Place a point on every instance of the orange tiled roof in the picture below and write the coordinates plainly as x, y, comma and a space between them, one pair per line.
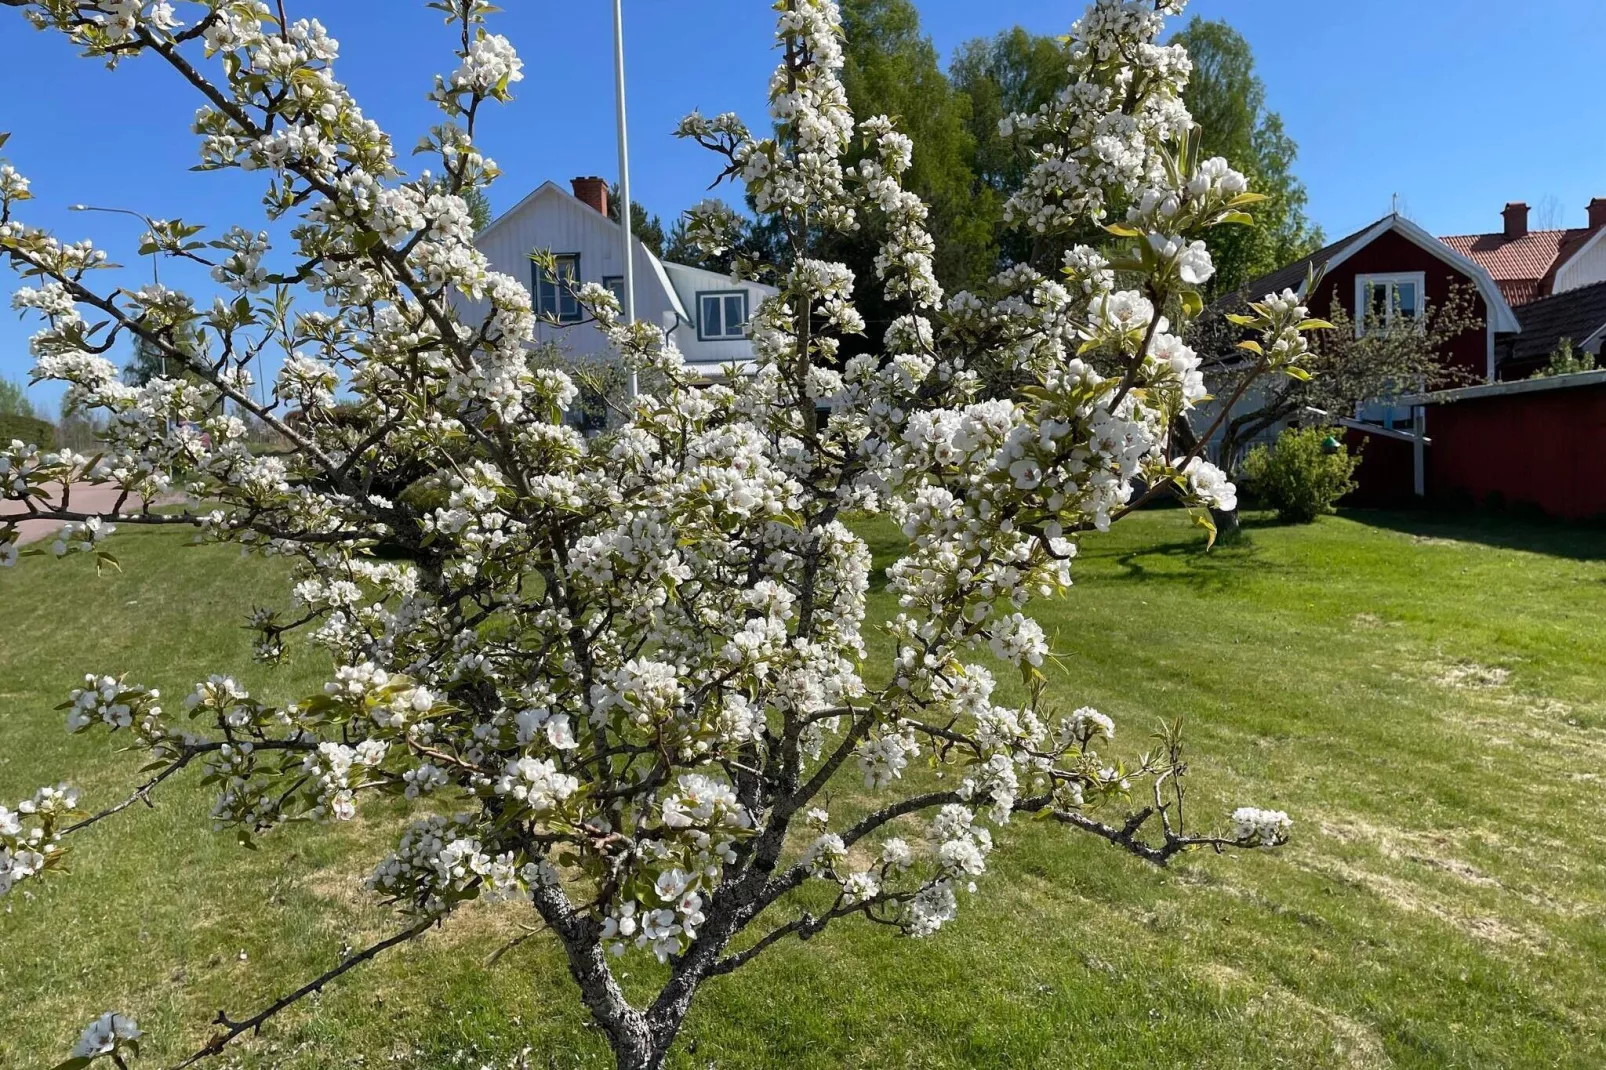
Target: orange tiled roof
1522, 267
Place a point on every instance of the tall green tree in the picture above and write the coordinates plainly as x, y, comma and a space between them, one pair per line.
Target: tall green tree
14, 399
893, 69
1014, 72
148, 363
644, 226
1228, 102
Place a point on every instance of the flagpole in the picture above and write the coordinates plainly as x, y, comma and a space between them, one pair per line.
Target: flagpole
624, 172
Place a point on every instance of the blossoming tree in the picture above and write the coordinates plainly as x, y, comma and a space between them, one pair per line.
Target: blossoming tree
615, 677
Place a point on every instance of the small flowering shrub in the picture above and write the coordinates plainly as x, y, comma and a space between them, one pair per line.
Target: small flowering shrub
617, 676
1298, 476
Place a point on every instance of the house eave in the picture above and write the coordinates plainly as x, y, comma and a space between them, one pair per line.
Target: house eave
1495, 390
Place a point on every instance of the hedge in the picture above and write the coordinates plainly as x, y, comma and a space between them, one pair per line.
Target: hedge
34, 432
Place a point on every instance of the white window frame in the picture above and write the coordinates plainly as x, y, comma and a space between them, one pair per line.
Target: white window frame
561, 289
1418, 279
727, 332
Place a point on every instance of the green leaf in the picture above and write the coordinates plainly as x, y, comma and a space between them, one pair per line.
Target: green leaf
1192, 303
1202, 520
1240, 218
1121, 230
1252, 345
1240, 319
1294, 371
1314, 325
74, 1063
1246, 198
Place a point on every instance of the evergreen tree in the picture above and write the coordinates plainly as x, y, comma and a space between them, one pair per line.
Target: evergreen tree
647, 228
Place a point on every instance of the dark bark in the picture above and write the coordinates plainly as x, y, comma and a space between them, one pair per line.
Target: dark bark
1226, 521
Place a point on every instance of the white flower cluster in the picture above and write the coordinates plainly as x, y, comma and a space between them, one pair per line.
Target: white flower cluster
1260, 828
81, 536
107, 1035
30, 835
439, 863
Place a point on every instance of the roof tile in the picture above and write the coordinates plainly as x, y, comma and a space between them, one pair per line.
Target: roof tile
1525, 267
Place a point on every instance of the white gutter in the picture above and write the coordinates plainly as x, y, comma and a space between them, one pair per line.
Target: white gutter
1496, 390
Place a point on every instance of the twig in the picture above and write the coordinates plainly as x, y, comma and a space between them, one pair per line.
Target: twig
254, 1023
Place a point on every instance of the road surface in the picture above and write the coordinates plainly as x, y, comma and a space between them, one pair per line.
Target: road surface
85, 498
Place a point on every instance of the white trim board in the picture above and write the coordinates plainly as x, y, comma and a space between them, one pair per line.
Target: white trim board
1495, 390
1501, 318
1561, 268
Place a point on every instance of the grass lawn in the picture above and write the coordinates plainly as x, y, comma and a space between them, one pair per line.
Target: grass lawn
1426, 698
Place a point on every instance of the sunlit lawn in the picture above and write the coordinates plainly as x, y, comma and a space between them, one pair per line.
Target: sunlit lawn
1428, 700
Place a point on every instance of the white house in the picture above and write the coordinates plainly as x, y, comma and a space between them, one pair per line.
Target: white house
705, 312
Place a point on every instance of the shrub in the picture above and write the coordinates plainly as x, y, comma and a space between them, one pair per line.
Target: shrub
1302, 476
29, 429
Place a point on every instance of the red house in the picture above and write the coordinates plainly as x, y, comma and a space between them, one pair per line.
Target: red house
1396, 268
1507, 438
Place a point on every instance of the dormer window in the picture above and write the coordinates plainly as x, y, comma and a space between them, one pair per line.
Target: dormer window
722, 315
1381, 300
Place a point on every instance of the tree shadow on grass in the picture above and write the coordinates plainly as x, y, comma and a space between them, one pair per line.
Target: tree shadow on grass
1187, 562
1585, 541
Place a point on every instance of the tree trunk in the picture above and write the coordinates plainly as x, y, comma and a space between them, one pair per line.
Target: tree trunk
1228, 527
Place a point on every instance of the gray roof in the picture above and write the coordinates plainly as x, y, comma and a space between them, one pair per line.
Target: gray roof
1289, 277
1576, 314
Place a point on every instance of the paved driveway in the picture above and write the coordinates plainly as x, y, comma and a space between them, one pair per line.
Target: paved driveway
85, 498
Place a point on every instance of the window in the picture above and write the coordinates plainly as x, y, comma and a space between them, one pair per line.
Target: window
1381, 299
616, 283
722, 315
555, 297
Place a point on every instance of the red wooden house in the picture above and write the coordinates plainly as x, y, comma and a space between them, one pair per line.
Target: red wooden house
1493, 436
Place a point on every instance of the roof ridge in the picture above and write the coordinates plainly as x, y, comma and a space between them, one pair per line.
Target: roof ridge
1525, 234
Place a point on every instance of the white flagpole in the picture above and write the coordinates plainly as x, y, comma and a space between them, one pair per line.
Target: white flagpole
624, 172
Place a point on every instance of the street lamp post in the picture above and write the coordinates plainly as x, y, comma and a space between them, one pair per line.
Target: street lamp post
149, 225
156, 276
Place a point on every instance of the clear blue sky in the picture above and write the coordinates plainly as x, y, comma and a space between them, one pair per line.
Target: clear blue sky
1456, 105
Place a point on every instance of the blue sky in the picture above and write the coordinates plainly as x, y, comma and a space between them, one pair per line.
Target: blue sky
1455, 105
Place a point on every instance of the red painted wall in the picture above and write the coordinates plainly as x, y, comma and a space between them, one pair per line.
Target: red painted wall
1386, 476
1544, 449
1393, 253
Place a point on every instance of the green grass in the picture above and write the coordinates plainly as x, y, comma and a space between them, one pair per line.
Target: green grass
1425, 698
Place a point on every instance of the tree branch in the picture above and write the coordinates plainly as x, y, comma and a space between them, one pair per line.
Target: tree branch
234, 1029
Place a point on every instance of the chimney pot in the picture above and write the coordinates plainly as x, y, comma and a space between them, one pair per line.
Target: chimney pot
1597, 213
1516, 217
592, 191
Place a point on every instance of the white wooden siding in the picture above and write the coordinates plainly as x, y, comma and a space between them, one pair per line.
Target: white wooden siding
688, 283
1588, 266
552, 219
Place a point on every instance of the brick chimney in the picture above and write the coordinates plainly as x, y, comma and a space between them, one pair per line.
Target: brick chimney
593, 191
1597, 213
1516, 216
